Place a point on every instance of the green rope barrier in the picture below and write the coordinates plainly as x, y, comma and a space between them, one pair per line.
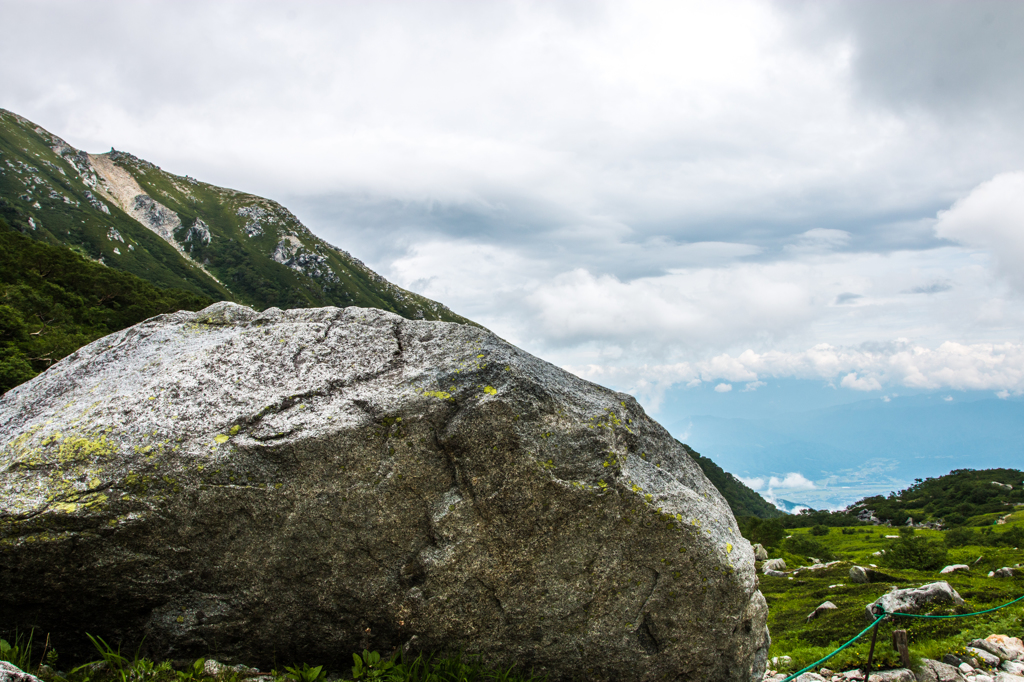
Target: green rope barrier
861, 634
882, 614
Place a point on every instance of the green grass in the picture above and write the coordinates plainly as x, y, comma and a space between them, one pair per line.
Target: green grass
53, 301
114, 666
791, 600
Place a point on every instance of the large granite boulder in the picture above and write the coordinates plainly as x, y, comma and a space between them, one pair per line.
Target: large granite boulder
295, 485
914, 600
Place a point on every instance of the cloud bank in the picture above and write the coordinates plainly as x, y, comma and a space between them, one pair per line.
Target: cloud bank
649, 193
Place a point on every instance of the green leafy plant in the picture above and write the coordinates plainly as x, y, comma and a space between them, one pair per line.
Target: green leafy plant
819, 530
958, 537
369, 666
124, 668
194, 673
914, 552
767, 532
18, 654
306, 673
803, 545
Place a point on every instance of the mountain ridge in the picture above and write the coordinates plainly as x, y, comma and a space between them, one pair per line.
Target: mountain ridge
176, 231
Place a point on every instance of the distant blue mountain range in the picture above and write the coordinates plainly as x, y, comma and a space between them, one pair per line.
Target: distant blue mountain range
851, 449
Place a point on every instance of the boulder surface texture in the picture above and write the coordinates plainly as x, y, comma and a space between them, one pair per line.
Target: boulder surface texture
915, 599
12, 673
295, 485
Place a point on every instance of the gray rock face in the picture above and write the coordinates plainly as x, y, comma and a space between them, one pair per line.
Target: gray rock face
825, 606
1007, 677
953, 568
1013, 646
301, 484
858, 575
773, 565
810, 677
12, 673
987, 659
992, 648
936, 671
896, 675
760, 553
914, 600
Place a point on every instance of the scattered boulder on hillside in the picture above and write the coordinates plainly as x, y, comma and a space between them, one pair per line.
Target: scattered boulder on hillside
760, 553
986, 658
1006, 677
954, 568
896, 675
303, 484
937, 671
1012, 645
822, 608
12, 673
868, 516
912, 600
1004, 572
993, 648
1012, 667
817, 566
810, 677
953, 660
773, 565
1004, 486
859, 575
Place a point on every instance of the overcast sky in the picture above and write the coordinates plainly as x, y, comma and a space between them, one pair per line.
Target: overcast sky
650, 194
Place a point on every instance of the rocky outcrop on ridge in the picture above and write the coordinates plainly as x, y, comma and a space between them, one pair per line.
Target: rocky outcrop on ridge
295, 485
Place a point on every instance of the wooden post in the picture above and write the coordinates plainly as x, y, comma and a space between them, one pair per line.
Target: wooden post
900, 643
871, 651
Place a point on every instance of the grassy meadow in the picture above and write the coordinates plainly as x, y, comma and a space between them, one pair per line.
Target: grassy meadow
792, 598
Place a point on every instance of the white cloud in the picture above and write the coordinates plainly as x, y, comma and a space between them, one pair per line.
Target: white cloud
791, 481
649, 193
991, 217
753, 386
819, 239
981, 367
723, 388
851, 380
755, 483
772, 487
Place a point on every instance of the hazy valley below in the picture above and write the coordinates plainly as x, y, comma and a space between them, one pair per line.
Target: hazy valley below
832, 456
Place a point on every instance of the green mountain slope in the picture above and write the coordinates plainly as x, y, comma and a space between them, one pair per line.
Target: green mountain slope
175, 231
742, 500
963, 496
53, 301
